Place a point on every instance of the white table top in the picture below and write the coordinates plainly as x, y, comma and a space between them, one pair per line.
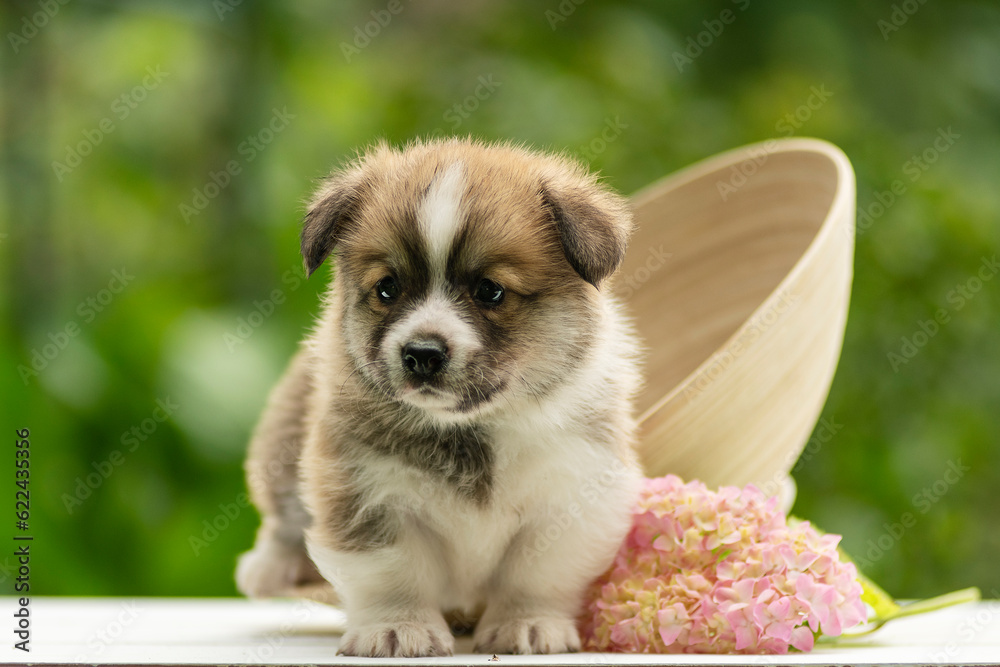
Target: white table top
185, 631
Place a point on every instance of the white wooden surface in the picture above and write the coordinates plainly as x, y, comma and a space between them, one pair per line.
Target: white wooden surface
235, 631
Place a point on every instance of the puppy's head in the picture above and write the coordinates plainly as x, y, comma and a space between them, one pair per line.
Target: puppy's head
470, 275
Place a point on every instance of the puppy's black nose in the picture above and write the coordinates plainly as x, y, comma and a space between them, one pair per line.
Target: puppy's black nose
424, 358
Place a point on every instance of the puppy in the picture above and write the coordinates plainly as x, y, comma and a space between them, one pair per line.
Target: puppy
455, 435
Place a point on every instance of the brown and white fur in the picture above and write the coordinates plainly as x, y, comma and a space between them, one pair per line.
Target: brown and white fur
435, 449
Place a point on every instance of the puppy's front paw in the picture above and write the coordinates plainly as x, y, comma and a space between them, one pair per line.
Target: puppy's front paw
529, 635
397, 640
270, 569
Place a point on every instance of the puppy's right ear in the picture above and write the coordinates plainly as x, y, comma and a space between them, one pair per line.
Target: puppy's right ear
332, 208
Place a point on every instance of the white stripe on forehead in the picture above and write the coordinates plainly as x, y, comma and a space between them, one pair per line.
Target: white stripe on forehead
441, 213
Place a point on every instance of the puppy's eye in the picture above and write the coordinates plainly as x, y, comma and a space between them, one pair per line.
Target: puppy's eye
488, 293
387, 289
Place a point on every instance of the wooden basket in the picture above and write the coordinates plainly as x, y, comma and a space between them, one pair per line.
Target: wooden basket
739, 277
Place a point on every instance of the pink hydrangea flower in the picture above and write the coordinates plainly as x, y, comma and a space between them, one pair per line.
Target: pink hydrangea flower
719, 572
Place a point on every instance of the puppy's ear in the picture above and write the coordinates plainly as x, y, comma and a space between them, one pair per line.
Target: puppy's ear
594, 224
332, 208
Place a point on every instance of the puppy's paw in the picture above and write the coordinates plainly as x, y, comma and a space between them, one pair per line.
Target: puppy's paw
270, 569
397, 640
529, 635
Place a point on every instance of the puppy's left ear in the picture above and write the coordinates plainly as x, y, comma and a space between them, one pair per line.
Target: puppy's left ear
331, 210
594, 223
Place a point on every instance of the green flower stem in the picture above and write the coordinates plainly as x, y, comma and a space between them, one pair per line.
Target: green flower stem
887, 609
920, 607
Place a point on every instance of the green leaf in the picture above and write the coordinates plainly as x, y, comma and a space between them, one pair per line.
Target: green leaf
887, 609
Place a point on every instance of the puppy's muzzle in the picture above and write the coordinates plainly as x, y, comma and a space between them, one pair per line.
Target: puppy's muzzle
423, 358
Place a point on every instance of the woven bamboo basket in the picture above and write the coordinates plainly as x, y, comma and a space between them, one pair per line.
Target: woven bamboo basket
739, 278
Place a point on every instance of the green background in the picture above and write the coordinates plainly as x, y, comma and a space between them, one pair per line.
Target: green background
555, 76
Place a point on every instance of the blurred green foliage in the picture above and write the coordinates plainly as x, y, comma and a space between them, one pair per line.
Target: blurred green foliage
234, 108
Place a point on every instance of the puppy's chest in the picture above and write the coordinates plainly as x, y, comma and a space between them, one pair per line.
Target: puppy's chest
530, 474
530, 481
